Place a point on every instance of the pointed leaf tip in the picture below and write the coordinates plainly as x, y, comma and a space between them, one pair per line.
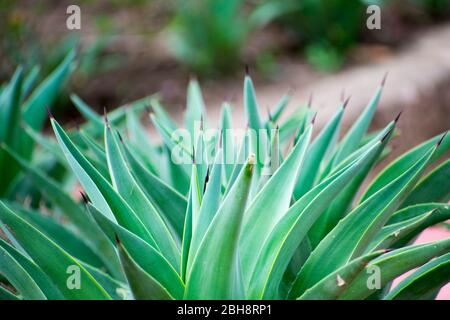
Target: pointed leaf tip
120, 136
105, 115
49, 112
314, 118
383, 81
206, 180
398, 116
441, 139
84, 197
116, 237
346, 102
310, 100
386, 135
269, 116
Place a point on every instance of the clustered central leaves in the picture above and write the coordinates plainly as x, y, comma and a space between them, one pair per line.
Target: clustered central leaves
151, 227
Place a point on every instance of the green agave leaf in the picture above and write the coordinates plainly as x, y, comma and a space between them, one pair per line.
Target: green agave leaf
289, 233
399, 234
229, 148
127, 187
168, 138
141, 140
173, 143
387, 132
395, 232
297, 122
40, 248
271, 163
417, 210
116, 289
209, 206
426, 190
53, 191
95, 154
195, 111
76, 214
355, 135
44, 95
143, 286
9, 125
169, 201
30, 81
270, 205
62, 236
19, 278
44, 283
46, 143
192, 214
299, 258
244, 151
10, 102
147, 257
353, 234
215, 272
317, 151
196, 196
7, 295
116, 117
341, 205
405, 161
332, 286
102, 194
423, 283
392, 265
187, 235
280, 107
88, 113
163, 117
250, 104
201, 161
179, 174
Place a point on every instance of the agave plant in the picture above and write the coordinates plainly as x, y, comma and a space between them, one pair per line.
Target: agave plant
201, 215
23, 114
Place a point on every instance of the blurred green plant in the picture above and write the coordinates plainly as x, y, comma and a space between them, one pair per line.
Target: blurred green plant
210, 228
21, 44
327, 29
208, 35
23, 104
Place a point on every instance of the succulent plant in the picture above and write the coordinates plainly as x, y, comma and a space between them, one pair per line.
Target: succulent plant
23, 113
277, 214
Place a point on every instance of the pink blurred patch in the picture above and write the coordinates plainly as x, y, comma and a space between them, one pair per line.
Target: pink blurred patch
432, 234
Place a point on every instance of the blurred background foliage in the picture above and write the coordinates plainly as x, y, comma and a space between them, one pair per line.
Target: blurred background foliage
210, 38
